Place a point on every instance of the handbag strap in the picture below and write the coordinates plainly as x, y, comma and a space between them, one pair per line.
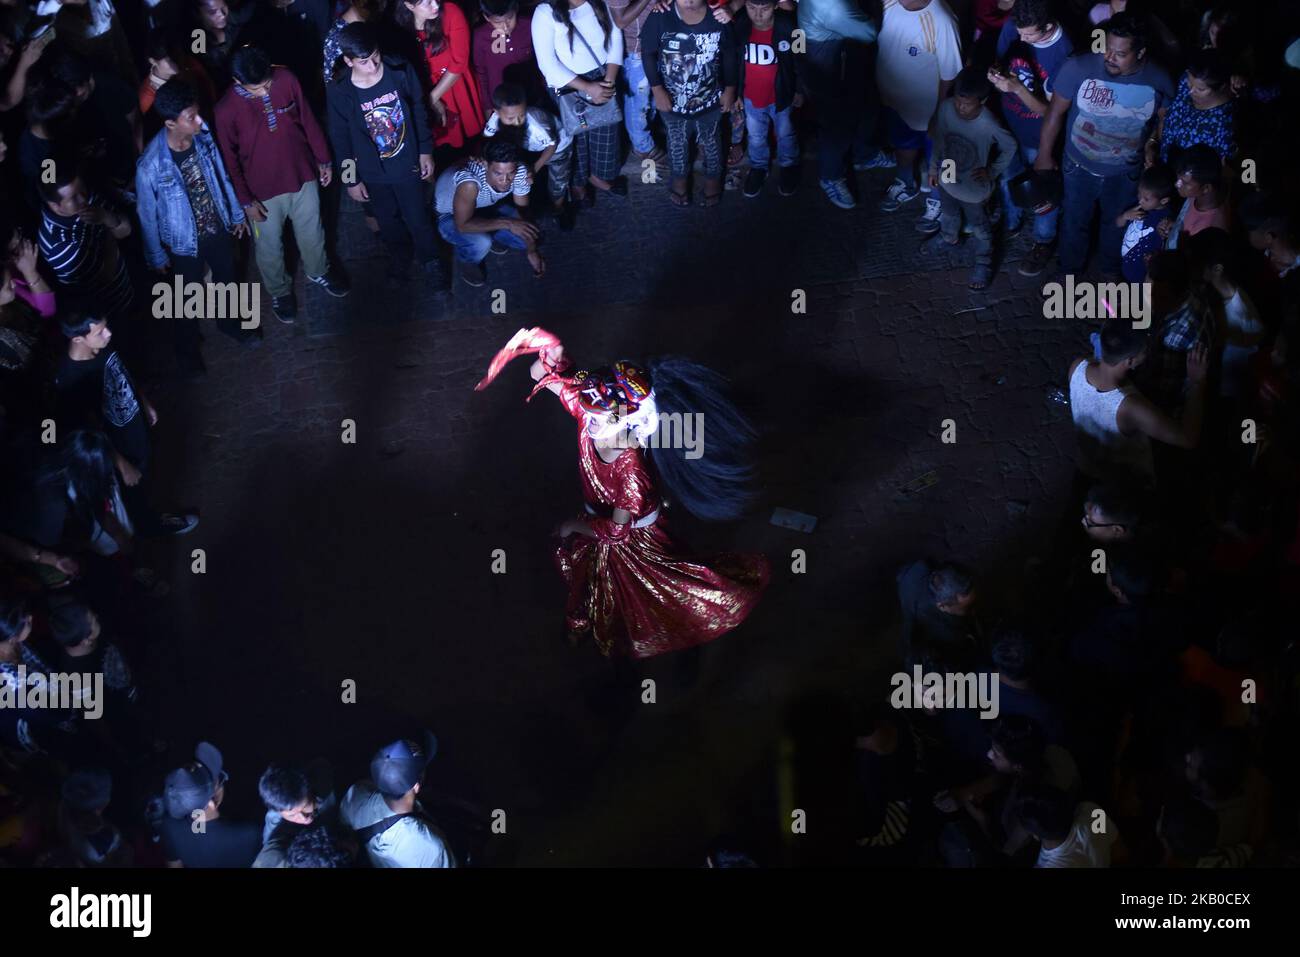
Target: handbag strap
603, 63
371, 831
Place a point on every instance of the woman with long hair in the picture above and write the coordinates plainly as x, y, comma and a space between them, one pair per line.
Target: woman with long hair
580, 52
444, 38
641, 442
366, 11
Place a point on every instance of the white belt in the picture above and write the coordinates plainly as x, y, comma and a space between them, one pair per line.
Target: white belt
642, 522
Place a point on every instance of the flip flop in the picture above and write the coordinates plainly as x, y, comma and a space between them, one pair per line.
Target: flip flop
680, 200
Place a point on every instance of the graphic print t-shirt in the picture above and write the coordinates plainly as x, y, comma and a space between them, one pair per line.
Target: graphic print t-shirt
206, 218
1141, 240
385, 118
1036, 67
1110, 116
760, 68
690, 62
102, 385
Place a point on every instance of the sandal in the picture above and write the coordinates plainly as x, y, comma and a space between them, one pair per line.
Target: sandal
736, 154
711, 197
980, 278
679, 197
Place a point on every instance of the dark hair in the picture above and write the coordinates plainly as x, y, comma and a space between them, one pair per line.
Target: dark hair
91, 471
949, 581
160, 45
1262, 210
1159, 180
173, 98
70, 623
560, 9
358, 40
1120, 341
435, 37
1169, 268
1021, 739
498, 8
1120, 503
250, 65
67, 168
62, 65
1128, 26
1225, 762
1202, 163
1046, 812
972, 82
51, 103
1210, 67
717, 485
321, 845
1212, 247
1034, 13
13, 614
1189, 827
77, 323
1133, 571
497, 150
1014, 654
509, 94
283, 787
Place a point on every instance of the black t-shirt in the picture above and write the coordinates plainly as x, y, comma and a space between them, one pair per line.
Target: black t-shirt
100, 390
104, 115
223, 843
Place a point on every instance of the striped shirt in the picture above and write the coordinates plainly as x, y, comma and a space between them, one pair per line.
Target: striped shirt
474, 170
85, 258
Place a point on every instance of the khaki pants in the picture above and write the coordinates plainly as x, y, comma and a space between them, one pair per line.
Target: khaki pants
303, 210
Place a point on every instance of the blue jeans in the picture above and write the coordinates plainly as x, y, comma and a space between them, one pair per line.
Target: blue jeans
758, 120
637, 104
840, 77
474, 247
1083, 193
1044, 225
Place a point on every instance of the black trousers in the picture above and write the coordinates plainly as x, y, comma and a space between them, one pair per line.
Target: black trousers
404, 220
217, 253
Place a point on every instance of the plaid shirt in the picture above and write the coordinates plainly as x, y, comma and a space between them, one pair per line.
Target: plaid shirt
1164, 374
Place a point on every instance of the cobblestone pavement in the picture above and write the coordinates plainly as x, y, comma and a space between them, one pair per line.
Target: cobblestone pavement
372, 562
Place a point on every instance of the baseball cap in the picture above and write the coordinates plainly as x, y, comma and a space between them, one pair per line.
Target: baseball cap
187, 789
398, 767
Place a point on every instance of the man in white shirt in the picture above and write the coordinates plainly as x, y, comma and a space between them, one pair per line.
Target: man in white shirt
385, 813
1069, 835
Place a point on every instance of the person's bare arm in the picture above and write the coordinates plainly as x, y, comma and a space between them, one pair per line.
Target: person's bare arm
1137, 414
1053, 123
626, 16
464, 207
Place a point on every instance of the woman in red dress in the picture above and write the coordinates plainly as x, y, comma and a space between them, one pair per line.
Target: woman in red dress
630, 587
444, 40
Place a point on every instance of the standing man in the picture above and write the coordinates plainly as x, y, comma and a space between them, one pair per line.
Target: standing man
638, 105
1031, 50
837, 36
380, 132
1107, 104
276, 154
189, 214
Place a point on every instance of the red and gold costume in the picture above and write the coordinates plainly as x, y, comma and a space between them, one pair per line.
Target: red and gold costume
629, 586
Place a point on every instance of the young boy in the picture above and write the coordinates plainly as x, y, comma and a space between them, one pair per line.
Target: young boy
502, 50
769, 90
971, 150
536, 133
1205, 201
1142, 236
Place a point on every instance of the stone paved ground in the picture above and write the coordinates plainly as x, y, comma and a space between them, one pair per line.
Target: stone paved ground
371, 561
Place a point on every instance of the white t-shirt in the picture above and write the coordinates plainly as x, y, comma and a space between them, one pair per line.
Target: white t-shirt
918, 48
411, 842
1084, 847
474, 170
560, 62
540, 130
1242, 316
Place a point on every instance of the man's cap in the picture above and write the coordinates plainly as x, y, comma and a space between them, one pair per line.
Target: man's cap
398, 767
188, 789
88, 790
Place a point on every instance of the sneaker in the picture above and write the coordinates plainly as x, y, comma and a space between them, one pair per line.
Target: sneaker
754, 181
933, 209
788, 180
178, 524
884, 159
1036, 261
927, 225
473, 274
332, 284
498, 249
898, 194
837, 191
285, 308
437, 275
733, 180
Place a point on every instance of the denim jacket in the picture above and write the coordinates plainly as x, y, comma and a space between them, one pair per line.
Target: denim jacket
166, 219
